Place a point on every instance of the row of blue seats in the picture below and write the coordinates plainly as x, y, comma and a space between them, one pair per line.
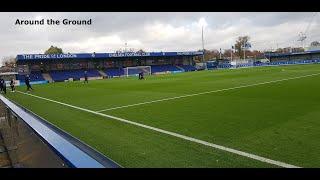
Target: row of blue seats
288, 62
188, 67
75, 74
163, 68
271, 63
295, 62
61, 75
34, 76
114, 72
154, 69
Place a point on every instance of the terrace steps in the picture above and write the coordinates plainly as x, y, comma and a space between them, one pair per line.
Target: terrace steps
103, 74
180, 68
47, 77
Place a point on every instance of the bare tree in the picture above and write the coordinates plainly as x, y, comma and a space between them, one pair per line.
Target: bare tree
315, 43
227, 53
9, 61
208, 55
53, 50
240, 43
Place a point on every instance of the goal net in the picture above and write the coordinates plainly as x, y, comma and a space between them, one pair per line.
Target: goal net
134, 71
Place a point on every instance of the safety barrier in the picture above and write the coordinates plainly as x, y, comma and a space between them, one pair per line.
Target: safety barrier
32, 142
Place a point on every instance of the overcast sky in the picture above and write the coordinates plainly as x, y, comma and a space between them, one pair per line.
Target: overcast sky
154, 31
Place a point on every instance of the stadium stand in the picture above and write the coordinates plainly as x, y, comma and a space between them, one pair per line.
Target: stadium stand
188, 67
225, 65
294, 62
93, 73
114, 64
244, 65
274, 63
62, 66
59, 75
163, 68
34, 76
114, 72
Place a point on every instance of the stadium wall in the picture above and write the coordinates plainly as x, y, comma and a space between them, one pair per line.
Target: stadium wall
281, 63
32, 82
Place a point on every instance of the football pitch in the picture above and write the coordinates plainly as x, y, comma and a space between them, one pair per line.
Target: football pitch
250, 117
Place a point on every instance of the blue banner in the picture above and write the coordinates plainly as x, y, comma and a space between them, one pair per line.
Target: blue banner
22, 57
33, 82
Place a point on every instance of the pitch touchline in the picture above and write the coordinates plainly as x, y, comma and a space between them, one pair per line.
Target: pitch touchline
207, 92
216, 146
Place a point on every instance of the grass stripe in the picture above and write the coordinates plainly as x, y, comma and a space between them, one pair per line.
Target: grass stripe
207, 92
216, 146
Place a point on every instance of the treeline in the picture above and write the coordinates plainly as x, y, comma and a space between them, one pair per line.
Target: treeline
226, 54
242, 49
296, 49
239, 50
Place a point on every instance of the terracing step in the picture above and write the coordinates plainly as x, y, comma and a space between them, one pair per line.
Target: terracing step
47, 77
103, 73
180, 68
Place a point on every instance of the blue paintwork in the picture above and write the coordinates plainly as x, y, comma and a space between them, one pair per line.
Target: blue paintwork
79, 56
212, 65
173, 72
34, 82
73, 156
291, 54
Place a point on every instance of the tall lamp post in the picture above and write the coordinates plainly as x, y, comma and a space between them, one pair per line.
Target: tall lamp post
231, 52
244, 51
203, 61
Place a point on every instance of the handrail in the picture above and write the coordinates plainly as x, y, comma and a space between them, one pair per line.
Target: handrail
74, 152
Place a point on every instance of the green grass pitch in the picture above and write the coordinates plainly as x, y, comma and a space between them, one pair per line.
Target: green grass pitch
279, 120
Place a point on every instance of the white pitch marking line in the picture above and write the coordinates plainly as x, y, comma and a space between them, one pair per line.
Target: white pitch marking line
216, 146
207, 92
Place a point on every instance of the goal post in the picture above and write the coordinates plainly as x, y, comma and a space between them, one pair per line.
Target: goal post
134, 71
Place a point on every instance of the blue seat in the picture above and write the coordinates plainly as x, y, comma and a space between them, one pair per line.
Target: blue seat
34, 76
163, 68
111, 72
188, 67
61, 75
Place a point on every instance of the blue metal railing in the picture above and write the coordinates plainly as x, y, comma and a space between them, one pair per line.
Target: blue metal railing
227, 66
72, 151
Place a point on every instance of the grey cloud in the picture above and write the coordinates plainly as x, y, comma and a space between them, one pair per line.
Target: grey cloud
221, 31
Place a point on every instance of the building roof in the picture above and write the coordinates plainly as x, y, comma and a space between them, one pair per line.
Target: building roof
79, 56
272, 54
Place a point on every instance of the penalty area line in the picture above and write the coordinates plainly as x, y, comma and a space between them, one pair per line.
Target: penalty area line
206, 92
188, 138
